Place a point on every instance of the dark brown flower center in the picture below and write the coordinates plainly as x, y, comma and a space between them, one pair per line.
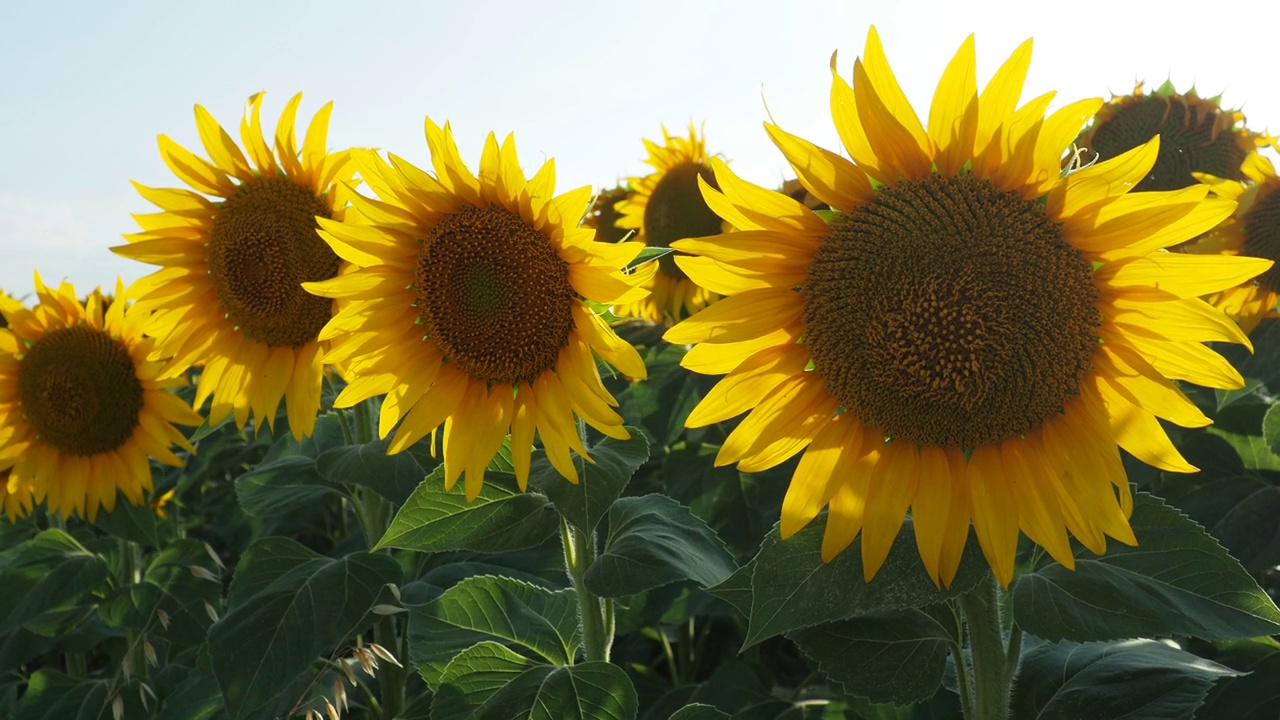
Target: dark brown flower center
262, 247
675, 211
603, 215
494, 295
1194, 137
80, 391
949, 313
1262, 233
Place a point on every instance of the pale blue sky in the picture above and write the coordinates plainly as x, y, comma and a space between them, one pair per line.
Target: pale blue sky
89, 85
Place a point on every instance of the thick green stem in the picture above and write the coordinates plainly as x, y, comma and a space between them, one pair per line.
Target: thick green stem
992, 669
135, 660
391, 678
594, 614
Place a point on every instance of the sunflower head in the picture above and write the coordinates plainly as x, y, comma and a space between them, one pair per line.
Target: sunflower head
233, 253
603, 215
1253, 230
972, 333
82, 406
666, 205
473, 303
1197, 135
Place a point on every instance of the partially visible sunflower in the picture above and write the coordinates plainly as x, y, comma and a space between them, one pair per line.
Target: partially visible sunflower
1253, 230
666, 206
81, 404
972, 334
229, 295
1197, 135
469, 306
603, 215
15, 497
794, 190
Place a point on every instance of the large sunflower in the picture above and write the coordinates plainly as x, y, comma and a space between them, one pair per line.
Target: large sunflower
973, 333
1253, 230
81, 404
466, 307
229, 295
1197, 135
666, 206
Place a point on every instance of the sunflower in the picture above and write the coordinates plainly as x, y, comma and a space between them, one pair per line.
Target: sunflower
1253, 230
228, 296
972, 334
666, 206
603, 214
81, 404
466, 307
1197, 135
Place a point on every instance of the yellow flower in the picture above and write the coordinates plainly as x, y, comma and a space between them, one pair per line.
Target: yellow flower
973, 333
1253, 230
1197, 135
603, 215
15, 497
466, 307
229, 294
666, 206
81, 405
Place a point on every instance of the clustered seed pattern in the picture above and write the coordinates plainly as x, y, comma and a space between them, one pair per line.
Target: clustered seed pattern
1193, 138
80, 391
675, 211
949, 313
494, 295
1262, 233
262, 247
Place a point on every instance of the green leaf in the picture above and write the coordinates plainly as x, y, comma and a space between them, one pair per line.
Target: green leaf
791, 588
281, 487
54, 696
47, 574
394, 477
650, 252
1135, 678
894, 658
698, 711
170, 585
287, 607
523, 616
136, 523
473, 676
197, 698
589, 691
1177, 581
1271, 428
1253, 696
599, 485
654, 540
501, 518
736, 589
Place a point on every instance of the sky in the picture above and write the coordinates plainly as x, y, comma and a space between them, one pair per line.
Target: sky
89, 85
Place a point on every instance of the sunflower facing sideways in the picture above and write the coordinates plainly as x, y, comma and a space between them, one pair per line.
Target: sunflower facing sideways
228, 296
666, 206
1197, 135
1253, 230
974, 332
466, 307
81, 404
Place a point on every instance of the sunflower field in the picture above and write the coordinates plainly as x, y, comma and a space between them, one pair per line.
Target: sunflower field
973, 418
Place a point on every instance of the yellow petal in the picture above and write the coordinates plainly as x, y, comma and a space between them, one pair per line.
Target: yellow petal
832, 179
893, 485
995, 514
953, 116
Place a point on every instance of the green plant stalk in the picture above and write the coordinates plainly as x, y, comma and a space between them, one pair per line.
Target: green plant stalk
135, 659
992, 665
594, 614
391, 678
77, 666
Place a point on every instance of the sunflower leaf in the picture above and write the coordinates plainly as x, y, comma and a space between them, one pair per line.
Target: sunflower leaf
278, 488
897, 658
1249, 696
654, 540
501, 518
394, 477
599, 484
1113, 680
792, 588
287, 607
45, 575
1177, 581
698, 711
537, 621
491, 683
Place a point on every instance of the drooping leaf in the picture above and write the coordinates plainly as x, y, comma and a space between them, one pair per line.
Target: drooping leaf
791, 588
894, 658
46, 574
500, 518
1100, 681
524, 617
1177, 581
599, 484
287, 607
654, 540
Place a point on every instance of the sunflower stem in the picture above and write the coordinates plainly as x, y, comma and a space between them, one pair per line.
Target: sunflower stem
992, 666
594, 614
130, 573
